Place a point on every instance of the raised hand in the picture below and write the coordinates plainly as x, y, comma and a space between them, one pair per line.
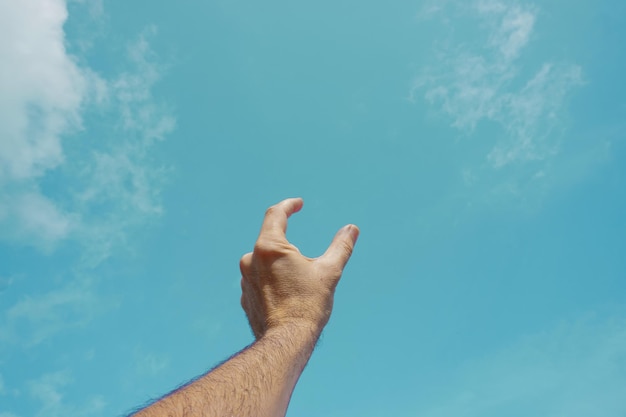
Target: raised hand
280, 286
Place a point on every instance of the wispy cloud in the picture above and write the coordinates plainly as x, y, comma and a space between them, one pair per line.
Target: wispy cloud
95, 7
122, 177
486, 81
48, 392
34, 318
5, 282
150, 363
29, 216
575, 369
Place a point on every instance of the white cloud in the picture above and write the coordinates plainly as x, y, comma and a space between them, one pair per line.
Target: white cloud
42, 88
29, 216
41, 93
514, 32
531, 116
133, 91
574, 370
478, 82
44, 93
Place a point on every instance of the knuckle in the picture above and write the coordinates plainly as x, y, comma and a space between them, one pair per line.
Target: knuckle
265, 247
245, 263
270, 210
248, 286
245, 302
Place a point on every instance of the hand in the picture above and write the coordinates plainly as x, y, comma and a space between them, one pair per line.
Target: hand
280, 286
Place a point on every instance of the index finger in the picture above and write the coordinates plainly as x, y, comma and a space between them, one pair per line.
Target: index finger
275, 221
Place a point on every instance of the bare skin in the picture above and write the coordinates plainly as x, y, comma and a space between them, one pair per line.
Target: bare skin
288, 299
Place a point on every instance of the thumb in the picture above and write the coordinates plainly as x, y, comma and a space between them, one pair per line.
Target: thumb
340, 249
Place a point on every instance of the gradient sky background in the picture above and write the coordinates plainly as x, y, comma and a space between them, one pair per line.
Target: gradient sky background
479, 145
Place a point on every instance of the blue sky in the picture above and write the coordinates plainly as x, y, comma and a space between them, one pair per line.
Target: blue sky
478, 145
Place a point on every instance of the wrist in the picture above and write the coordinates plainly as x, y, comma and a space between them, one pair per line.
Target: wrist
301, 313
296, 330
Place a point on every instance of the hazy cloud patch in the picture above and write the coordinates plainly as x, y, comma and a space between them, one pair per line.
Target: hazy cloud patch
574, 369
150, 363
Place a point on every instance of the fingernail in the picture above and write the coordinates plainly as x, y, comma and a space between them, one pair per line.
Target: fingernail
353, 231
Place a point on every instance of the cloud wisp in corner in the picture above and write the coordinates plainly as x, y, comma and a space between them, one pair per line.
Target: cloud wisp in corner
474, 82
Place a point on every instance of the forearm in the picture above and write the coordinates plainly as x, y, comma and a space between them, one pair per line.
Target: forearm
257, 382
288, 298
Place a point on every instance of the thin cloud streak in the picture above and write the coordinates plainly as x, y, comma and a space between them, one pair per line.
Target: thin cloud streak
48, 392
35, 318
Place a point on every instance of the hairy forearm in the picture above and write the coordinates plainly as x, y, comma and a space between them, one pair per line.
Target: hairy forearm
257, 382
288, 298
